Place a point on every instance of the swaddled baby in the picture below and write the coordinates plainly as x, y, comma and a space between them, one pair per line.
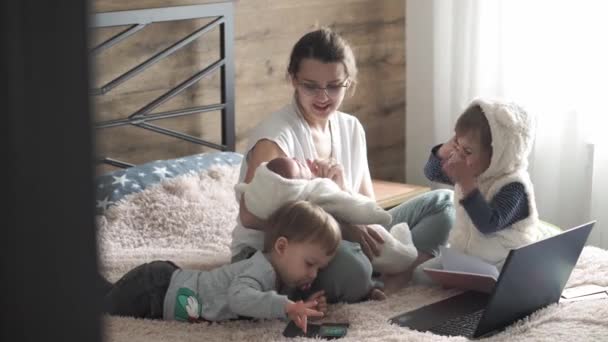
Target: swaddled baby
284, 179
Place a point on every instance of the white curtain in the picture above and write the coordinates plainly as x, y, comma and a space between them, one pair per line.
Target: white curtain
551, 57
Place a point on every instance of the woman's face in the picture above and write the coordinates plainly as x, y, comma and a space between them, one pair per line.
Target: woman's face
320, 87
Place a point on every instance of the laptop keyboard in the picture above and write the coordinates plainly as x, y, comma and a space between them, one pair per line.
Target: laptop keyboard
464, 325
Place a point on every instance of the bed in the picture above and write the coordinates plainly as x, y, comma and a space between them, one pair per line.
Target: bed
183, 209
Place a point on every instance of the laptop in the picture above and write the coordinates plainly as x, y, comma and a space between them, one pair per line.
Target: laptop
533, 276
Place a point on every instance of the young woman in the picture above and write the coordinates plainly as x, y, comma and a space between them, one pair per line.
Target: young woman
322, 70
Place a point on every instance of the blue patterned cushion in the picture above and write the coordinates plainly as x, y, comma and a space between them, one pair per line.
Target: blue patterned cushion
113, 186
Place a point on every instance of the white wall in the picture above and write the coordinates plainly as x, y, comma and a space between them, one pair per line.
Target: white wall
419, 87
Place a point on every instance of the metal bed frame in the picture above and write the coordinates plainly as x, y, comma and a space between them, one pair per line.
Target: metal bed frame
136, 20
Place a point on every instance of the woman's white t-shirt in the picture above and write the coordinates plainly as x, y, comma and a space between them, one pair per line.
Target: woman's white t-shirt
288, 129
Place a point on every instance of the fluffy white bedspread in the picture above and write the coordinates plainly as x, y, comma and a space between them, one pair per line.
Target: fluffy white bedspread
189, 220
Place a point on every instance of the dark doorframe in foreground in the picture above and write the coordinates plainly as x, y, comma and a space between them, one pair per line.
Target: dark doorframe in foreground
48, 261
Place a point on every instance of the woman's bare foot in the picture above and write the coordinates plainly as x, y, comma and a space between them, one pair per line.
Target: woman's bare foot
377, 294
397, 281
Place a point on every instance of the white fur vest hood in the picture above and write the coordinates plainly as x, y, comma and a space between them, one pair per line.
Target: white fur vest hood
512, 130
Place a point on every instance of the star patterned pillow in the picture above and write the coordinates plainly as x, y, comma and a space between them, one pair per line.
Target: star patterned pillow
113, 186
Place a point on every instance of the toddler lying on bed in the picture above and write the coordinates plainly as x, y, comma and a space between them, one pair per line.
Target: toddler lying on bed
284, 179
302, 239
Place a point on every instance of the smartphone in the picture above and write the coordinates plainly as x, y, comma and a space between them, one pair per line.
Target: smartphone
333, 330
328, 331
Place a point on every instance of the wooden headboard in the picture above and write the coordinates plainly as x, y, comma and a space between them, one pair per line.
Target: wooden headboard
117, 94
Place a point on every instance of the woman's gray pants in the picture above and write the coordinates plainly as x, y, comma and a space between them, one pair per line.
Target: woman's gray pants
348, 277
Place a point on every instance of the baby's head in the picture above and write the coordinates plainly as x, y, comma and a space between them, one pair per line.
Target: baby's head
474, 138
289, 168
302, 238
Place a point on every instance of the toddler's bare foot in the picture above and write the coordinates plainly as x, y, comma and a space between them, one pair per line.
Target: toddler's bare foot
377, 294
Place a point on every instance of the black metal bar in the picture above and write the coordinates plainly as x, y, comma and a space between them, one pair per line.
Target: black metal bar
227, 81
95, 91
181, 136
159, 116
117, 38
116, 163
154, 15
177, 89
158, 57
223, 12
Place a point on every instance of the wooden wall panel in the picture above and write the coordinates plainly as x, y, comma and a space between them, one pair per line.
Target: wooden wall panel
265, 31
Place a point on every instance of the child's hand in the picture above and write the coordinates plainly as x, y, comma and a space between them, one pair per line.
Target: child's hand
320, 300
299, 311
447, 149
328, 168
459, 172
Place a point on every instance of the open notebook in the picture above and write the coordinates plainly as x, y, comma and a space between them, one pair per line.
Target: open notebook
464, 272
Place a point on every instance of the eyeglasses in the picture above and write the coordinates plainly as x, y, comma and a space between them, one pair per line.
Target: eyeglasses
332, 90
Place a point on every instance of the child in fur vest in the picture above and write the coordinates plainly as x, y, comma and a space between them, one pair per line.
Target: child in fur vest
486, 161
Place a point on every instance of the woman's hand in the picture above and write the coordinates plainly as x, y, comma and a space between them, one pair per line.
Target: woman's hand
263, 151
319, 300
366, 236
299, 311
328, 168
248, 219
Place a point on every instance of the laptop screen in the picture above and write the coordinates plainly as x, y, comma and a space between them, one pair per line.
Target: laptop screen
533, 277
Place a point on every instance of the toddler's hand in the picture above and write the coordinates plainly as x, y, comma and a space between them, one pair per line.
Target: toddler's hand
299, 311
320, 300
447, 149
458, 170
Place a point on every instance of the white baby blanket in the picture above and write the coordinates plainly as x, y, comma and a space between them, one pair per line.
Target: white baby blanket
267, 191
